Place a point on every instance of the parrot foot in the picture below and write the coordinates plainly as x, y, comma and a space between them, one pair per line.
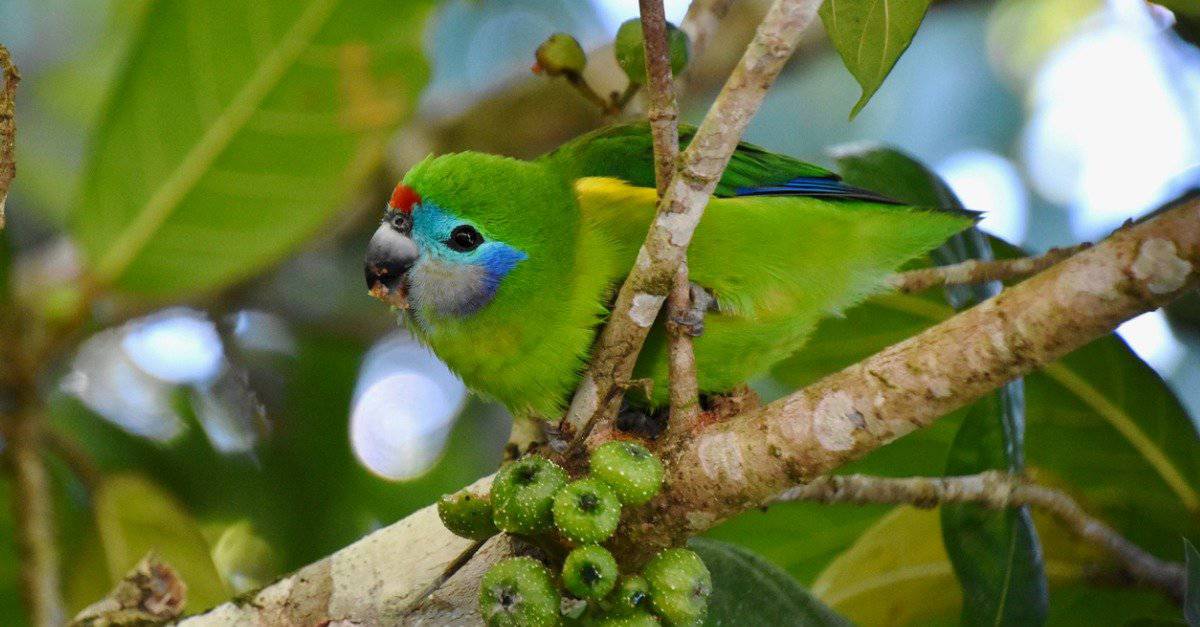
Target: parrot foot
691, 321
640, 421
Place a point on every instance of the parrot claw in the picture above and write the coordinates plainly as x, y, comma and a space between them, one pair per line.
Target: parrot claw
692, 320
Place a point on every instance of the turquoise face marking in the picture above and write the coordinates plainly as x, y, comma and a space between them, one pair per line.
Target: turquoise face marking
451, 282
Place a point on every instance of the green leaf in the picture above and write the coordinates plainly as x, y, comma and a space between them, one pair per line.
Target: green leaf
748, 590
996, 554
236, 130
870, 35
898, 573
1191, 601
135, 517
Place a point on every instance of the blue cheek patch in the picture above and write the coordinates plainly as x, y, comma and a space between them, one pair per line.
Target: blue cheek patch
497, 259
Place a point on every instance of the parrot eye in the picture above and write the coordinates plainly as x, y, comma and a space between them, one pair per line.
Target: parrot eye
464, 238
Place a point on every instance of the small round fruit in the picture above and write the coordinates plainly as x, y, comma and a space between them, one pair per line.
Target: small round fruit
639, 618
519, 591
586, 511
590, 572
560, 54
523, 495
633, 472
630, 50
467, 515
679, 586
631, 595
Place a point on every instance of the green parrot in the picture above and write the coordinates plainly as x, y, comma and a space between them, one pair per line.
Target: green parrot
507, 268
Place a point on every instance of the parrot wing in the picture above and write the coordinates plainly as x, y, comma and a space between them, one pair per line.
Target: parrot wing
776, 264
626, 152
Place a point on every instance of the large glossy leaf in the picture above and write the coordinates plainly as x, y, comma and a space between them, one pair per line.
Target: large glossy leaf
996, 554
235, 131
748, 590
898, 573
870, 35
135, 517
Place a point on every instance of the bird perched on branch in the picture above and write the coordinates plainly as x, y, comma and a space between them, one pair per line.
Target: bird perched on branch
507, 268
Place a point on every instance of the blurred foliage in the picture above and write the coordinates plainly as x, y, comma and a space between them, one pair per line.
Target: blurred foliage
1191, 606
221, 148
134, 517
304, 492
235, 130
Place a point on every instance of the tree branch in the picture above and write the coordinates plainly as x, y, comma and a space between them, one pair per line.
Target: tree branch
745, 461
976, 271
701, 165
995, 490
8, 127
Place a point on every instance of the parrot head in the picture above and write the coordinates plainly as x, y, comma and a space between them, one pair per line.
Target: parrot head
460, 229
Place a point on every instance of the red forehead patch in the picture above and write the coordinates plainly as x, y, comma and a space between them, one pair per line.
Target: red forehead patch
404, 197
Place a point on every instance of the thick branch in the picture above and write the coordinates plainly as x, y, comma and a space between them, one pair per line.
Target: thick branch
995, 490
975, 271
8, 126
745, 461
642, 295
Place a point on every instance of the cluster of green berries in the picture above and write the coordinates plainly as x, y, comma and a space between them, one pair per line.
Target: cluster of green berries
534, 497
561, 54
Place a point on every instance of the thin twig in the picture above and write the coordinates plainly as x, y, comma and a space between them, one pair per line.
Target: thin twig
681, 364
75, 457
995, 490
8, 127
662, 109
622, 99
34, 517
976, 271
701, 165
661, 106
583, 87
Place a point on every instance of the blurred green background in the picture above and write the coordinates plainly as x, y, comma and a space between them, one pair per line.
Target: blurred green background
239, 404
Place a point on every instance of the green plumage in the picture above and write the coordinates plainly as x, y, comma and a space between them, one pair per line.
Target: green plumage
776, 264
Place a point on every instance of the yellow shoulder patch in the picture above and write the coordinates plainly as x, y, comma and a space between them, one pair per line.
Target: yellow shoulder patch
601, 189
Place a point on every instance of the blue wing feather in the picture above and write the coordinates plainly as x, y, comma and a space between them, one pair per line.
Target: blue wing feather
817, 187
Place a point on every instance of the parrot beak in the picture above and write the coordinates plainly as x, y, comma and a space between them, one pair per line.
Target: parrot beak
389, 256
